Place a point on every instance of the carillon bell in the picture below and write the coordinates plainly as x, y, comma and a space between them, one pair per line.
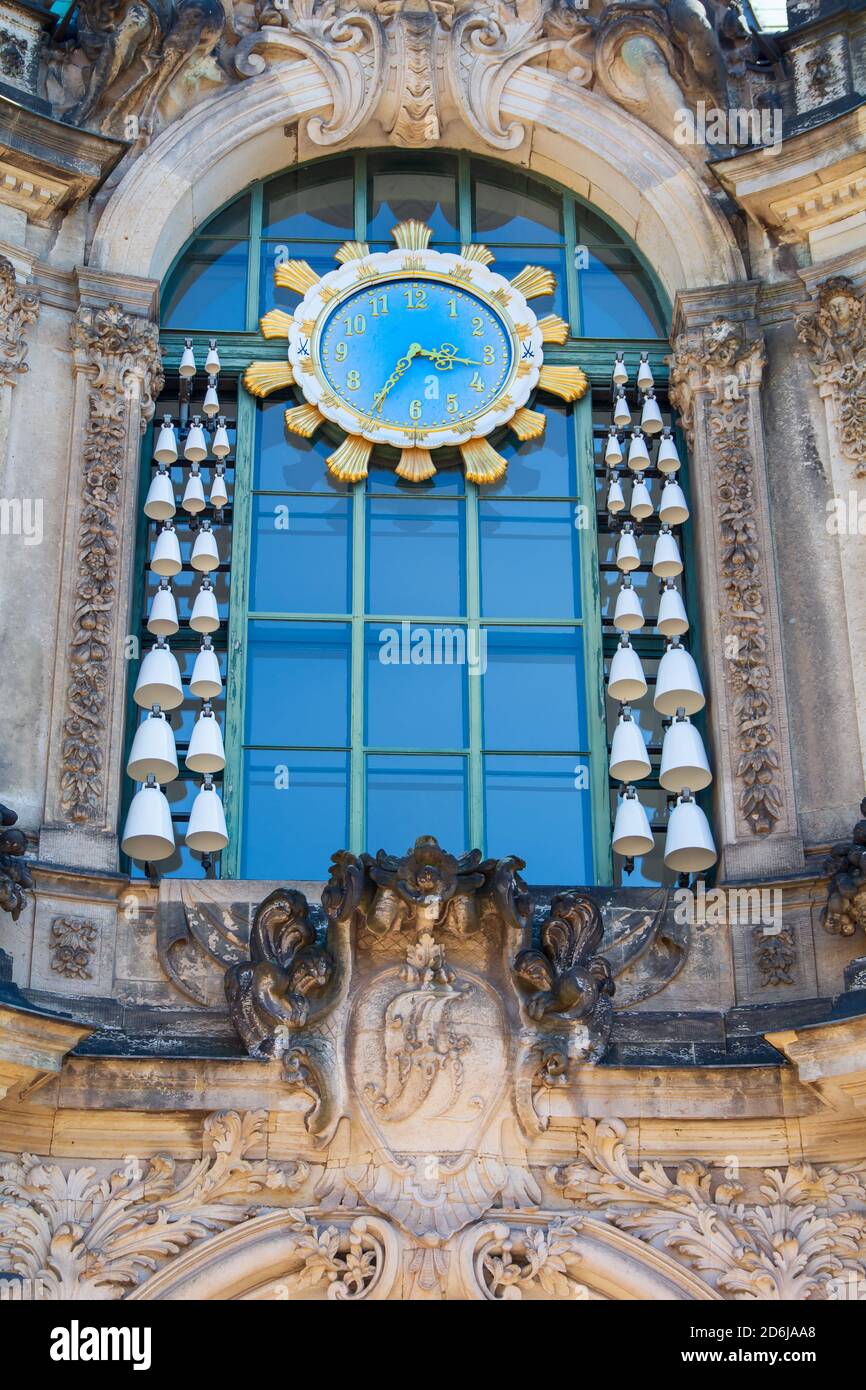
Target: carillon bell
638, 455
205, 613
158, 680
193, 497
162, 620
206, 752
626, 681
206, 682
211, 404
678, 684
684, 760
218, 495
212, 361
651, 417
160, 504
667, 561
166, 443
195, 448
612, 449
672, 507
187, 361
689, 846
621, 412
153, 753
641, 502
628, 756
672, 620
627, 554
631, 831
221, 446
615, 499
668, 460
645, 381
619, 374
166, 553
206, 832
628, 613
148, 833
205, 556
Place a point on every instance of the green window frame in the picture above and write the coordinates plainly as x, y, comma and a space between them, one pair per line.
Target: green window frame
594, 355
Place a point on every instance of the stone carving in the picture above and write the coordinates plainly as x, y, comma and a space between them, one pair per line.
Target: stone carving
121, 353
15, 877
566, 976
798, 1232
510, 1262
18, 308
835, 331
845, 909
123, 74
72, 943
720, 362
83, 1235
775, 954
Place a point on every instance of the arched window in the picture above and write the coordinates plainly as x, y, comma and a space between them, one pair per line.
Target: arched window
406, 658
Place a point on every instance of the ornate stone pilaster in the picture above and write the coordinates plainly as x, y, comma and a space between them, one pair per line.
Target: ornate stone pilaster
117, 366
716, 371
835, 331
19, 307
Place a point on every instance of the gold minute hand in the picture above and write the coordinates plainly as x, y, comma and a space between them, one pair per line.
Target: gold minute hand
403, 364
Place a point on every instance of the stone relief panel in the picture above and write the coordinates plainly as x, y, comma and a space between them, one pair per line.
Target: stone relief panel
834, 331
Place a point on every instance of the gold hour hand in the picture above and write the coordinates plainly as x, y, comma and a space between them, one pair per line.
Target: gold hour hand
445, 356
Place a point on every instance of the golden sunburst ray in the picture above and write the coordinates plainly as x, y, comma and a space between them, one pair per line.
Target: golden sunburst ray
481, 463
412, 235
416, 465
349, 462
296, 275
553, 329
275, 323
477, 252
261, 378
569, 383
352, 251
304, 420
534, 280
528, 424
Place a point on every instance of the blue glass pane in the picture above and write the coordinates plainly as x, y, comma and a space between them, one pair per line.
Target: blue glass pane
540, 808
544, 466
232, 221
512, 207
295, 813
396, 194
386, 480
284, 460
317, 201
530, 561
533, 689
298, 683
416, 685
616, 298
273, 253
511, 259
408, 797
207, 291
415, 557
301, 555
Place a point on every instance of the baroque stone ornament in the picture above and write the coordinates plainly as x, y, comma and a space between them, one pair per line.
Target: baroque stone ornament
775, 953
18, 309
72, 943
717, 368
15, 880
120, 353
796, 1235
835, 331
845, 908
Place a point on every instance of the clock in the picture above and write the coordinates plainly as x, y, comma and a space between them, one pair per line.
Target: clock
418, 349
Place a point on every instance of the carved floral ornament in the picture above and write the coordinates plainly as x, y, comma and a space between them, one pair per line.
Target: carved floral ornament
835, 332
716, 370
408, 65
150, 1230
19, 308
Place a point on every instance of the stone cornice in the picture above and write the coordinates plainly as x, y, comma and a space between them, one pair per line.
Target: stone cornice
830, 1060
33, 1042
47, 166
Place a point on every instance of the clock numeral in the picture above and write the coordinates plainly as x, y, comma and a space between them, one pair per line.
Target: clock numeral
341, 352
452, 405
353, 380
488, 355
415, 410
452, 306
356, 324
416, 297
477, 383
477, 327
378, 305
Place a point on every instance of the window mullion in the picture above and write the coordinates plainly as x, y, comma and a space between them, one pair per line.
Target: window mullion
357, 757
360, 197
236, 664
571, 276
254, 259
473, 674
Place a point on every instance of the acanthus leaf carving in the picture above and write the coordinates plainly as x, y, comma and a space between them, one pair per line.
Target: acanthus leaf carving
19, 307
835, 331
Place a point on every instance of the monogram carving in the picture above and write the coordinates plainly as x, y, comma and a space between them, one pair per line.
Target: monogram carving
120, 353
835, 331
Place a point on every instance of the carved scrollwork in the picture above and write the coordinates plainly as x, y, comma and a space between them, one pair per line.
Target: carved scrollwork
512, 1263
845, 908
835, 331
19, 308
15, 880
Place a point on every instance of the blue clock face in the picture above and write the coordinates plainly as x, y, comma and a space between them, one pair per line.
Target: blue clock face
415, 353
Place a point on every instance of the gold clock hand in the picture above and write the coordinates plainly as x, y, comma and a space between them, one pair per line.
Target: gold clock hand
403, 365
445, 356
